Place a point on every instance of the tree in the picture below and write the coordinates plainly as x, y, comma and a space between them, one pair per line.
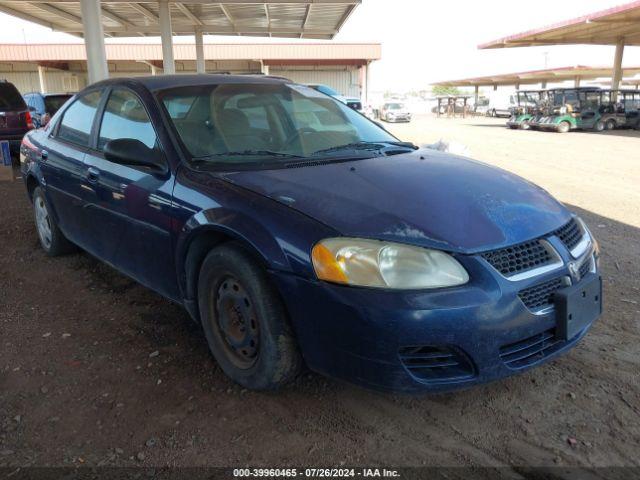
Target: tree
439, 90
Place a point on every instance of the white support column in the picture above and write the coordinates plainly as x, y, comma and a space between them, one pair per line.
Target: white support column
476, 94
94, 40
617, 67
166, 36
264, 68
576, 81
543, 85
200, 65
42, 72
364, 79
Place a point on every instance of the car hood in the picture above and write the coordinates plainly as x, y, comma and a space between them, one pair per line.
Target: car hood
424, 198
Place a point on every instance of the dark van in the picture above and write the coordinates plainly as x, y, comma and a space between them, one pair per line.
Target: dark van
15, 119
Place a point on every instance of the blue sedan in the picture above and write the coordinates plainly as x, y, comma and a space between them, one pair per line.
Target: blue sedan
298, 232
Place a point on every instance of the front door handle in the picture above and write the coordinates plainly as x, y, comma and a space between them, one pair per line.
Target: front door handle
44, 155
93, 174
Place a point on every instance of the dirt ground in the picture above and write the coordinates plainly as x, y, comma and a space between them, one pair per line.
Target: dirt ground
97, 370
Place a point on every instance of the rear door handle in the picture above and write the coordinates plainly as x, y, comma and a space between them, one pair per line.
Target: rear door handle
93, 174
44, 155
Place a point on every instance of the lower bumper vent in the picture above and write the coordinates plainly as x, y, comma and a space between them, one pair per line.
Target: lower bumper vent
436, 363
530, 350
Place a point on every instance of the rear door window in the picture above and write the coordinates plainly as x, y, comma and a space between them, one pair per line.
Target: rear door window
76, 124
10, 98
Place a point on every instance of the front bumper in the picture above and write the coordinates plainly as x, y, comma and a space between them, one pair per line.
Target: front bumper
373, 337
399, 118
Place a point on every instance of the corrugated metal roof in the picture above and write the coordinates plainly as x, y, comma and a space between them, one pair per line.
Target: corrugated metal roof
317, 19
605, 27
217, 51
538, 76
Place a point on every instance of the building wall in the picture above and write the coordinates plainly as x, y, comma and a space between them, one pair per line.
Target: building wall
344, 79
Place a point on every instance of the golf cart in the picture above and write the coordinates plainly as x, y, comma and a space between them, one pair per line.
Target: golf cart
570, 109
599, 110
528, 102
619, 111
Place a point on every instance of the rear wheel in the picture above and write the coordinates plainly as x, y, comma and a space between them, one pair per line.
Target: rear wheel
51, 238
245, 321
611, 124
525, 126
599, 126
564, 127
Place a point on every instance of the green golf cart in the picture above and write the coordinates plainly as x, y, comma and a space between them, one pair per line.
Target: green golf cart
571, 109
528, 103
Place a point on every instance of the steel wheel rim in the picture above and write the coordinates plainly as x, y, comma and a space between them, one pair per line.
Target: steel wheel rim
237, 323
43, 223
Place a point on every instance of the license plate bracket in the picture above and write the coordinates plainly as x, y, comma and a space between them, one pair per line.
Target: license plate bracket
577, 306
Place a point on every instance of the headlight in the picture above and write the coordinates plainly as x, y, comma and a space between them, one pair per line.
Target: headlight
371, 263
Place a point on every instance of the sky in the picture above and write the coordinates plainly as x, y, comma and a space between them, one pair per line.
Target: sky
424, 41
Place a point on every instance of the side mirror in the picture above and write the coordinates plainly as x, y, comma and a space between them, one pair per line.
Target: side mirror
129, 151
32, 109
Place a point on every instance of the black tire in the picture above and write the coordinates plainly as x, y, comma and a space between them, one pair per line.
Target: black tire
610, 125
564, 127
52, 240
245, 320
599, 126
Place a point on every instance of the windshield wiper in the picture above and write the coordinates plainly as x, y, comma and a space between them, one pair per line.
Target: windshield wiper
247, 153
370, 146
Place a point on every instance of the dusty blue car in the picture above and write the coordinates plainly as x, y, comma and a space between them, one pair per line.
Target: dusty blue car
298, 232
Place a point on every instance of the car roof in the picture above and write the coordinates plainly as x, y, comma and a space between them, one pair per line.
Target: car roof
161, 82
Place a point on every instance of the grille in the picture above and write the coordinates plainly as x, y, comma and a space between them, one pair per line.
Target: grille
436, 363
530, 350
518, 258
541, 295
570, 234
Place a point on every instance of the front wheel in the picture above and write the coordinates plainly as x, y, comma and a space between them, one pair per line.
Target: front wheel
245, 321
564, 127
52, 240
525, 126
611, 124
599, 126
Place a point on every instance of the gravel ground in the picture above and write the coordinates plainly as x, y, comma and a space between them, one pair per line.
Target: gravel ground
97, 370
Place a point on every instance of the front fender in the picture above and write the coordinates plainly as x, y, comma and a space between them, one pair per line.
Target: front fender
236, 225
279, 236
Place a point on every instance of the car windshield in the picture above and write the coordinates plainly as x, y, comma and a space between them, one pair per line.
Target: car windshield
52, 103
10, 98
395, 106
268, 123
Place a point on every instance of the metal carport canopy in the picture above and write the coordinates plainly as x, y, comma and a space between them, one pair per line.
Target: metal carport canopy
93, 19
320, 19
575, 73
617, 26
605, 27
